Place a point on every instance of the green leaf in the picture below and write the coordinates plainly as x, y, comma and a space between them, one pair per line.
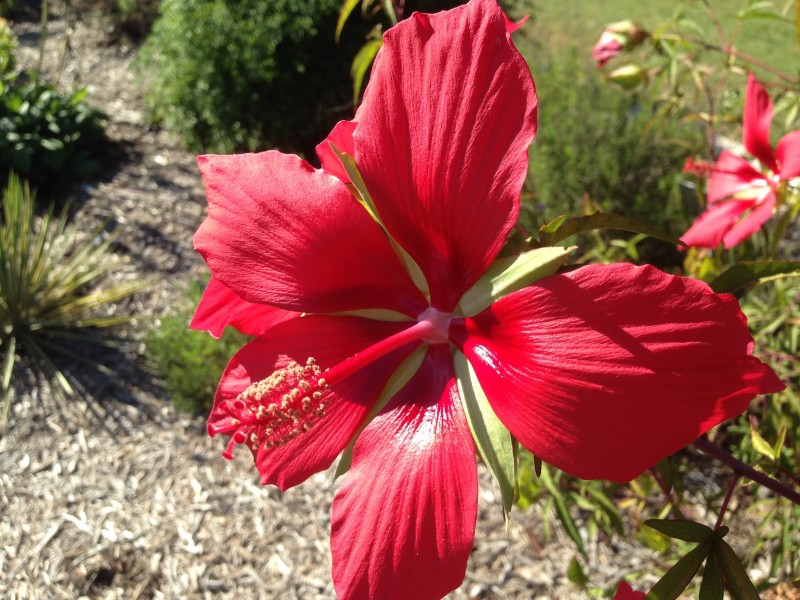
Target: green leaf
761, 10
600, 220
492, 438
576, 574
739, 583
344, 14
509, 274
681, 530
712, 587
562, 511
553, 225
666, 472
8, 368
749, 274
361, 63
674, 581
760, 445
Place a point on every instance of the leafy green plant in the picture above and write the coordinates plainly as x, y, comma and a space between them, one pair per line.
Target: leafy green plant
246, 75
49, 295
8, 44
592, 143
190, 361
49, 137
9, 8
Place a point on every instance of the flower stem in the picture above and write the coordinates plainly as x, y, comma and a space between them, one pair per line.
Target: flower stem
746, 470
728, 494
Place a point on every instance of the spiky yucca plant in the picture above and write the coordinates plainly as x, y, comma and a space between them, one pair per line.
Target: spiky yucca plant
47, 304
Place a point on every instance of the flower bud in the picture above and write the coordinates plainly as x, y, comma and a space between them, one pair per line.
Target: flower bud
619, 36
628, 76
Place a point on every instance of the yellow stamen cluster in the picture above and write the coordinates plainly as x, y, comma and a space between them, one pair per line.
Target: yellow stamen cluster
275, 410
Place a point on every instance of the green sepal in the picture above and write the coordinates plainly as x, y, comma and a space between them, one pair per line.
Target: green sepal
739, 583
364, 198
559, 229
674, 581
509, 274
377, 314
492, 438
688, 531
752, 273
397, 382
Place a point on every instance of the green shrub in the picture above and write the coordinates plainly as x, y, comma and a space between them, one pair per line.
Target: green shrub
9, 8
595, 139
49, 299
188, 361
245, 75
8, 44
49, 137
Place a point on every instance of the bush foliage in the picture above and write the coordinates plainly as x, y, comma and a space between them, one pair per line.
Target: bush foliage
246, 75
50, 138
596, 140
190, 361
47, 136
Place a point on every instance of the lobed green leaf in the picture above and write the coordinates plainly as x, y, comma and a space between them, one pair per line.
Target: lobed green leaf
752, 273
682, 530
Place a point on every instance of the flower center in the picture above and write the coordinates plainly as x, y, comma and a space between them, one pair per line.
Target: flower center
275, 410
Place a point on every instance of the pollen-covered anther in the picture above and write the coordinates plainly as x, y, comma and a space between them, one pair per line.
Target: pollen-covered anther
275, 410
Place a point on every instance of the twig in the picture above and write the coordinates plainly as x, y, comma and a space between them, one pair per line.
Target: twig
728, 494
746, 470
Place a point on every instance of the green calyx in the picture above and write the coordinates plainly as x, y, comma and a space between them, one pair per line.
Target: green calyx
510, 274
492, 439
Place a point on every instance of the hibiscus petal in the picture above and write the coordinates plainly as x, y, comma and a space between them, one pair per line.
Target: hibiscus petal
604, 371
329, 340
626, 592
789, 155
220, 307
402, 525
757, 121
752, 222
442, 141
731, 175
279, 232
342, 137
710, 228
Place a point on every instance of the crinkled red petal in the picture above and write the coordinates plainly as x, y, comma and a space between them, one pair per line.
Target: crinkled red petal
710, 228
442, 141
220, 307
604, 371
751, 222
626, 592
403, 523
789, 155
329, 340
281, 233
757, 122
734, 175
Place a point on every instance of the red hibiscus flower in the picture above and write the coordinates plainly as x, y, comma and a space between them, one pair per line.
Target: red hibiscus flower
740, 197
626, 592
406, 343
